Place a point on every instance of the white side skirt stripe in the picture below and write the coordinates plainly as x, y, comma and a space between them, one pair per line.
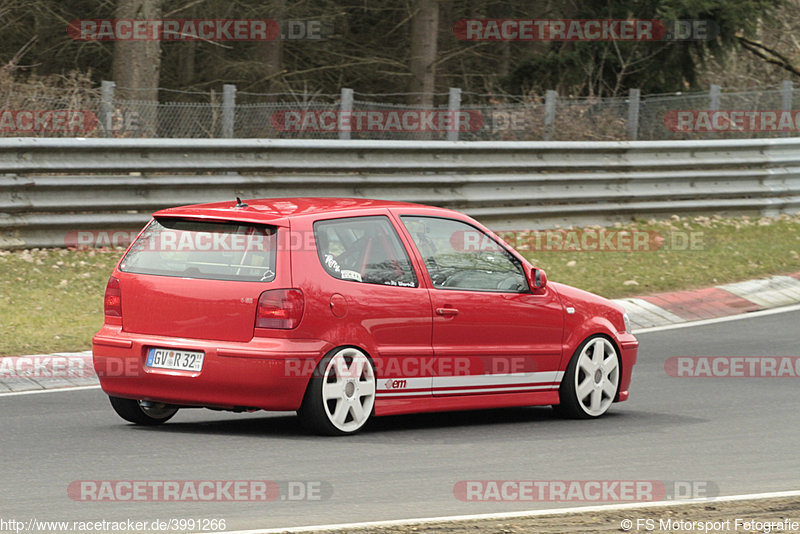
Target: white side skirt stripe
494, 383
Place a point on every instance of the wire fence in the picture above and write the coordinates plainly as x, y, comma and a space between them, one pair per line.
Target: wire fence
772, 111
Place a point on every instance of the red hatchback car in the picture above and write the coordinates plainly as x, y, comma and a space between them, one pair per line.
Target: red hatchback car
343, 309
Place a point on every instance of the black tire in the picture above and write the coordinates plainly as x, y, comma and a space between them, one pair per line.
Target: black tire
133, 412
606, 380
317, 415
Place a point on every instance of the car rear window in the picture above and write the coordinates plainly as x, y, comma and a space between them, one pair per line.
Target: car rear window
202, 249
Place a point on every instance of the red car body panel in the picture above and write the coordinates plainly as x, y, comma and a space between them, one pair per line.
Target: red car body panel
511, 349
590, 318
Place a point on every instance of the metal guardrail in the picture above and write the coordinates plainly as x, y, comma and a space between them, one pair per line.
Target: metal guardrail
51, 187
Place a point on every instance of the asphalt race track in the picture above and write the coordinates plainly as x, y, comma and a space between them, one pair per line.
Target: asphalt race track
738, 434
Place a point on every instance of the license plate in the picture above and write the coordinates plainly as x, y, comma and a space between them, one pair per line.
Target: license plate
179, 360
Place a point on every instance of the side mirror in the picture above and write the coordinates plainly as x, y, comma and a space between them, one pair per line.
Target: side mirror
537, 278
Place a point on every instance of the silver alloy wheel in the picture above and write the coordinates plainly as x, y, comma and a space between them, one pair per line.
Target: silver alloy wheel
348, 389
157, 410
597, 376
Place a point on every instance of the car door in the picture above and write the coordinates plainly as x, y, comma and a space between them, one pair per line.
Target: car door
369, 271
491, 333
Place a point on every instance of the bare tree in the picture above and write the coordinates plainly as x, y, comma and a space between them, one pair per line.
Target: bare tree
423, 47
269, 52
137, 64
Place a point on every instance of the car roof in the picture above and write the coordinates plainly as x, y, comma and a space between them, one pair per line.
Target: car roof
279, 210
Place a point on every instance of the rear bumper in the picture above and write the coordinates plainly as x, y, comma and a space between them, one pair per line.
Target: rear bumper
629, 349
266, 373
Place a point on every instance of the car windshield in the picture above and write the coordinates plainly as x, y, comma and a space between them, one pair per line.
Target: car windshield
202, 249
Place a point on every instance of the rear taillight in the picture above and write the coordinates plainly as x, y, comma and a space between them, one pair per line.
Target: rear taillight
280, 308
112, 304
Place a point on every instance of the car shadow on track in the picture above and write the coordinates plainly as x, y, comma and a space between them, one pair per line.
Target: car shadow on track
542, 421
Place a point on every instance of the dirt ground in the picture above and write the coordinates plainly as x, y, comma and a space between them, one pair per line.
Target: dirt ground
753, 516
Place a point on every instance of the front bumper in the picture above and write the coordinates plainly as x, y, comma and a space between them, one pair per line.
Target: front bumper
629, 349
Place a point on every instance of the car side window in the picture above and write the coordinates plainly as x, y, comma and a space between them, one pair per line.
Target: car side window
460, 256
363, 249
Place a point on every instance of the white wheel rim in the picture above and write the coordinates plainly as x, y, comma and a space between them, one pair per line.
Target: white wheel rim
597, 376
348, 389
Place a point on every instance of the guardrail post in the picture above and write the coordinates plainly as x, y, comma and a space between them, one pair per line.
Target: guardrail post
713, 97
713, 104
454, 107
107, 106
634, 96
786, 100
550, 101
345, 109
786, 95
228, 109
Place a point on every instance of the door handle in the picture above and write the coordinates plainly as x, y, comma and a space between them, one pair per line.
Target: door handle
448, 312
